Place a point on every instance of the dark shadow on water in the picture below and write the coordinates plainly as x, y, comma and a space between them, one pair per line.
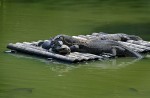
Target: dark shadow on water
134, 90
22, 90
18, 93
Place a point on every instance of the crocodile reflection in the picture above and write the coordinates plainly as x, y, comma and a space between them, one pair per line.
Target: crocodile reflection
63, 67
106, 64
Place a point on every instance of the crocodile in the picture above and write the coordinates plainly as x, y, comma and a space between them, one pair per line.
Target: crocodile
116, 37
93, 46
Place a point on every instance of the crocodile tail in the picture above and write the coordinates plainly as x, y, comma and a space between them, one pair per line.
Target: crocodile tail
130, 52
133, 53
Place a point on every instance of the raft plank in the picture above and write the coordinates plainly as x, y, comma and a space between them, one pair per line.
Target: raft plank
34, 50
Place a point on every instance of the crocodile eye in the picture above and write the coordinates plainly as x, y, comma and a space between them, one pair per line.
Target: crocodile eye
60, 43
61, 38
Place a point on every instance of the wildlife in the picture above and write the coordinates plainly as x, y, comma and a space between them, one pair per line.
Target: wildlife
64, 44
97, 46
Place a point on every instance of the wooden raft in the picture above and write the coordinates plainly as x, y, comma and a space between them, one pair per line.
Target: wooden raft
72, 57
32, 48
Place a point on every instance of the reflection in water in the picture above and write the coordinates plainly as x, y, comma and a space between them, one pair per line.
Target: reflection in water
114, 63
64, 67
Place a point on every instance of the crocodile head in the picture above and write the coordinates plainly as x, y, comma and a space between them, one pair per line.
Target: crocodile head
63, 49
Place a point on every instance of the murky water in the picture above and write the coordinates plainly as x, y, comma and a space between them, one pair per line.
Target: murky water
22, 76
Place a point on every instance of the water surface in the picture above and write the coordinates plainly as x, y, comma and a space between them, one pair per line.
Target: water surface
22, 76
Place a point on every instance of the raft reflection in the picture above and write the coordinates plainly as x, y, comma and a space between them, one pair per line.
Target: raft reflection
62, 67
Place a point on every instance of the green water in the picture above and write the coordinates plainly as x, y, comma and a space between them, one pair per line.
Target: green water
22, 76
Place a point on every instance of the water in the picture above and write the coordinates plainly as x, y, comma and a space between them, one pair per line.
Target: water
22, 76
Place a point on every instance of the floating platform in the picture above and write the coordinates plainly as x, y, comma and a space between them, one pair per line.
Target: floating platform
32, 48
